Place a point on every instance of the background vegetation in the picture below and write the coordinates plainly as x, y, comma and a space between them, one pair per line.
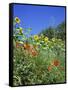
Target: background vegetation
58, 32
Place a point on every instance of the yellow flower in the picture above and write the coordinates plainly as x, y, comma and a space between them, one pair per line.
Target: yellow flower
36, 37
17, 20
46, 39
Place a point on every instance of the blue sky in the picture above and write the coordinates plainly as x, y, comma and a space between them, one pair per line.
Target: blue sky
39, 17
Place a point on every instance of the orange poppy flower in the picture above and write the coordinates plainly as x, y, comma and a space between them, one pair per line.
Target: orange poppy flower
34, 53
26, 46
30, 49
17, 44
56, 63
49, 68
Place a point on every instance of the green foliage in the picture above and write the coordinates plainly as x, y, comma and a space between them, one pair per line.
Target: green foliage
34, 70
48, 32
61, 31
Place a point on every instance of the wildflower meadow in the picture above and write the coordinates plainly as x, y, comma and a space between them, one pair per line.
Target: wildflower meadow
38, 58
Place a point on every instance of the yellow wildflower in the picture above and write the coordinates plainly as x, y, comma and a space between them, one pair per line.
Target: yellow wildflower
36, 37
46, 39
17, 20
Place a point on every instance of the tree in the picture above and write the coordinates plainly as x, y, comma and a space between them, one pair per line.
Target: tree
61, 33
58, 32
49, 32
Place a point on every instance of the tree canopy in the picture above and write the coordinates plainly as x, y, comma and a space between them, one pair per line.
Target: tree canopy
57, 32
